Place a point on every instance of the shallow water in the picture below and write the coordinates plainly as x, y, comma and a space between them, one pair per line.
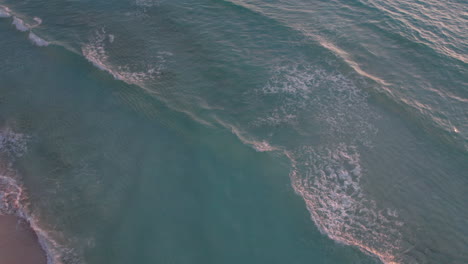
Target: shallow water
237, 131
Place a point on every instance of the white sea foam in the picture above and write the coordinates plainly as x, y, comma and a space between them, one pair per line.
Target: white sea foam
303, 91
10, 195
19, 24
96, 53
328, 177
23, 26
13, 198
261, 146
13, 201
13, 144
38, 21
329, 181
37, 40
4, 12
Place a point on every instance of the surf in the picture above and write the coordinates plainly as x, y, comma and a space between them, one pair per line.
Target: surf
14, 200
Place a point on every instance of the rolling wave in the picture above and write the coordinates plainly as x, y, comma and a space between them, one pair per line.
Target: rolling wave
37, 40
22, 26
4, 12
329, 182
328, 99
437, 24
95, 52
327, 177
445, 125
13, 201
260, 146
12, 144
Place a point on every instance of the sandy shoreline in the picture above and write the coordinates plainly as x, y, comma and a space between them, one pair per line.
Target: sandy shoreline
18, 242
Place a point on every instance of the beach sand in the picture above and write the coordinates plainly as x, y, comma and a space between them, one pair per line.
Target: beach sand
18, 242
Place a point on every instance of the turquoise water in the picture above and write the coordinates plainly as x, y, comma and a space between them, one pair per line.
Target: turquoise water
145, 131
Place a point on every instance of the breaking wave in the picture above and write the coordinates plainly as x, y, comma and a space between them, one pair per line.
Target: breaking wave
140, 74
4, 12
304, 92
327, 178
260, 146
37, 40
95, 52
328, 175
13, 201
20, 24
38, 21
13, 197
12, 144
329, 181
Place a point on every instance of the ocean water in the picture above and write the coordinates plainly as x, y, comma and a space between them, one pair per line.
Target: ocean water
237, 131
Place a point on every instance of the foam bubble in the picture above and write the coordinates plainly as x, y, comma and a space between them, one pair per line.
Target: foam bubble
4, 12
38, 21
19, 24
329, 181
13, 144
37, 40
94, 51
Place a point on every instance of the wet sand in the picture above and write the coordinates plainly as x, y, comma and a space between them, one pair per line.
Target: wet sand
18, 242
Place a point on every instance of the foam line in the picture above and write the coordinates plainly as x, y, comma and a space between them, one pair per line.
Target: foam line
13, 197
37, 40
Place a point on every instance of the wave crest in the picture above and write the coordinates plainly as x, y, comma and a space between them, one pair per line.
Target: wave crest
37, 40
260, 146
20, 24
96, 53
329, 181
13, 197
304, 92
4, 12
